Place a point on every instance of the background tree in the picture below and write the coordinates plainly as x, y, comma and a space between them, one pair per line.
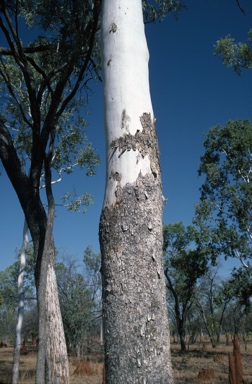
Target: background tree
78, 305
92, 272
9, 293
8, 281
224, 211
183, 266
237, 291
40, 81
238, 56
212, 304
20, 316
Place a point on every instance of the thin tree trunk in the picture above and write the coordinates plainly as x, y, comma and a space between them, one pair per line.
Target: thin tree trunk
181, 331
52, 359
41, 294
136, 332
56, 344
17, 343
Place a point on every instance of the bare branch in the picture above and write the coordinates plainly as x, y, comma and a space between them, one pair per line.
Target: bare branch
93, 30
28, 50
240, 7
9, 85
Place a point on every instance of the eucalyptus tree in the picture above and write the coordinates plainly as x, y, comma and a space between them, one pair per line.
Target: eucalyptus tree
11, 295
224, 211
136, 332
184, 264
20, 316
41, 130
92, 273
237, 291
238, 56
77, 303
212, 300
9, 277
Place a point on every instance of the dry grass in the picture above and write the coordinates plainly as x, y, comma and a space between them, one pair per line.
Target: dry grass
186, 366
92, 369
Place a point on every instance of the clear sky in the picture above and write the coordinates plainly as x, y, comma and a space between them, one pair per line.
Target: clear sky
191, 92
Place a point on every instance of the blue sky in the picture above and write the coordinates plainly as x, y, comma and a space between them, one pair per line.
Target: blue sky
191, 92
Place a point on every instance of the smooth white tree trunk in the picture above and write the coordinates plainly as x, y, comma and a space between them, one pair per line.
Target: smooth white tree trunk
125, 59
136, 332
17, 343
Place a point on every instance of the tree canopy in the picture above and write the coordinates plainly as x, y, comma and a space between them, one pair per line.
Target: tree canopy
184, 264
238, 56
224, 210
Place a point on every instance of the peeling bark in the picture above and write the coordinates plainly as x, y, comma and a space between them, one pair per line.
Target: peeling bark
52, 359
58, 372
135, 316
136, 332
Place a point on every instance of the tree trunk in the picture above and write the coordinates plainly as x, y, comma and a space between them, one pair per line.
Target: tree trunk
57, 359
17, 343
181, 331
52, 359
136, 332
52, 351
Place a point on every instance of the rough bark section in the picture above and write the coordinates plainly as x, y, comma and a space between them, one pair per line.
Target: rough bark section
136, 330
56, 345
235, 364
232, 376
238, 362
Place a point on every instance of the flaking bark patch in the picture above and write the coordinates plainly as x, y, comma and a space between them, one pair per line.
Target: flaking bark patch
145, 141
132, 269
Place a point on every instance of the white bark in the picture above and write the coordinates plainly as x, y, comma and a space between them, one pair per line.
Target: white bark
136, 332
17, 343
126, 87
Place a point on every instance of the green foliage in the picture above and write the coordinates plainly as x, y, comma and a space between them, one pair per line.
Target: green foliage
9, 278
224, 304
75, 202
77, 303
9, 296
239, 288
235, 55
211, 304
7, 322
184, 264
79, 295
45, 82
224, 211
92, 262
158, 9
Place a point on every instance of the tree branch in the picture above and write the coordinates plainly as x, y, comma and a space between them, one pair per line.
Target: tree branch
240, 7
28, 50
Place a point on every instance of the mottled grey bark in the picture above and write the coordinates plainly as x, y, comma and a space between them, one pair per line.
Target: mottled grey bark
136, 332
52, 351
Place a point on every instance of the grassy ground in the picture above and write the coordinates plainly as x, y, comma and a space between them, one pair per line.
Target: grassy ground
186, 366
